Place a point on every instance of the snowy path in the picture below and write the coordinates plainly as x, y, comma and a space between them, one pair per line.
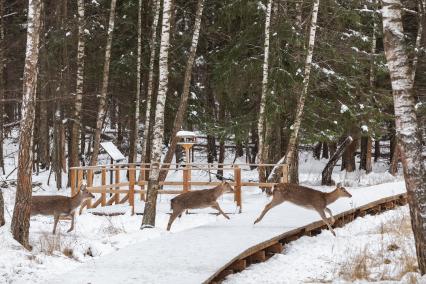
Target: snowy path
192, 256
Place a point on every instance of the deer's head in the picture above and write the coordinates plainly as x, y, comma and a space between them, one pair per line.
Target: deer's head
227, 188
84, 192
342, 191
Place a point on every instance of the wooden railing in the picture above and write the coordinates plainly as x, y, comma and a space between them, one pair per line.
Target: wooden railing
125, 191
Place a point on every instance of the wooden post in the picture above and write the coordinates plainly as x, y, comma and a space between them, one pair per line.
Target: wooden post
142, 179
103, 200
117, 180
132, 172
185, 179
237, 188
79, 179
89, 184
285, 174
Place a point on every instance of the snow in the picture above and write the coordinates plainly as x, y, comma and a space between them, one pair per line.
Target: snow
364, 128
184, 133
113, 151
344, 108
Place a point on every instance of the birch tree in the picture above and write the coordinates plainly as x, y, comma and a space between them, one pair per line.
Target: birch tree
407, 126
2, 84
21, 213
135, 130
185, 92
104, 90
75, 135
153, 47
158, 133
265, 72
292, 144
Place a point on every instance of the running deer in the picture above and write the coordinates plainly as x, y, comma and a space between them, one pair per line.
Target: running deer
59, 206
307, 198
198, 199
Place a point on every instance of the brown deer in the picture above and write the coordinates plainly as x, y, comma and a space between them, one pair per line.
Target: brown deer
198, 199
305, 197
59, 206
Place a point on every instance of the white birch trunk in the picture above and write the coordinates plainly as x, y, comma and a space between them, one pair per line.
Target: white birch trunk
418, 45
265, 73
288, 158
75, 149
153, 46
104, 89
158, 133
21, 214
407, 126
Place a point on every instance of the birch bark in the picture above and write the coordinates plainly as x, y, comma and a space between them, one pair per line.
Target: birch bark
153, 46
75, 135
261, 155
288, 158
185, 92
104, 89
21, 213
158, 133
407, 126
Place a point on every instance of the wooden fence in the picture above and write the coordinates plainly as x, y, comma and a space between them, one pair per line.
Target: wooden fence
122, 192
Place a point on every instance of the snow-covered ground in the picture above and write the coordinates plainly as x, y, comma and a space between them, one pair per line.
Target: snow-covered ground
376, 249
98, 236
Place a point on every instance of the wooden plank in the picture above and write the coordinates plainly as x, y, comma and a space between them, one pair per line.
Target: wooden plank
275, 248
185, 179
97, 202
238, 265
117, 180
124, 199
103, 180
237, 188
132, 173
259, 256
73, 179
89, 183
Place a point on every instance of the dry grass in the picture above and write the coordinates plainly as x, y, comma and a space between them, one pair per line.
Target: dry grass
388, 259
50, 244
113, 229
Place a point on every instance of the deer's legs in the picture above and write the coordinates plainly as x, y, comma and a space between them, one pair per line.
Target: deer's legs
83, 204
55, 222
217, 207
324, 218
331, 214
172, 218
268, 207
72, 222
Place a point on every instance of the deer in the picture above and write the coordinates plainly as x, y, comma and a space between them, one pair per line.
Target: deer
306, 197
198, 199
59, 205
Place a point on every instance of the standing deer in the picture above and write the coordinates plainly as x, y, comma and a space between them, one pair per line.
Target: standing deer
305, 197
58, 205
198, 199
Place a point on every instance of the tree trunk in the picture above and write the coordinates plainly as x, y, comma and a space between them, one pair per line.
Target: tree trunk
376, 150
2, 87
75, 132
153, 52
325, 154
395, 151
219, 173
328, 170
158, 133
365, 160
317, 151
21, 213
418, 44
407, 126
261, 124
185, 93
288, 158
104, 90
348, 159
2, 220
135, 130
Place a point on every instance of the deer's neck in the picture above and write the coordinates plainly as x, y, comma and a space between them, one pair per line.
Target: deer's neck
330, 197
218, 191
76, 200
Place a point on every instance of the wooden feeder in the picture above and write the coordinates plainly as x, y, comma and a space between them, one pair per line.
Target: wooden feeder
187, 139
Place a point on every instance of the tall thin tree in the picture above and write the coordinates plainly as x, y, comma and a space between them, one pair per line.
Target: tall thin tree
104, 90
292, 144
158, 133
265, 73
21, 213
185, 92
407, 126
75, 135
153, 52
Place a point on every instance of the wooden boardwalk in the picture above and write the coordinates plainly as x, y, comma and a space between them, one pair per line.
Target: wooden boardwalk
206, 254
